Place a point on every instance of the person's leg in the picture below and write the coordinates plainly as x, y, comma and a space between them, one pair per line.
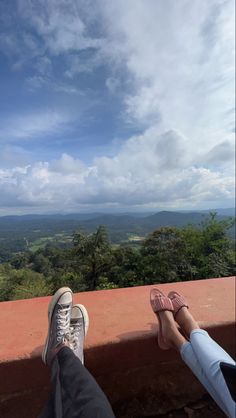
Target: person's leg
209, 355
79, 394
163, 308
170, 333
188, 355
75, 393
174, 338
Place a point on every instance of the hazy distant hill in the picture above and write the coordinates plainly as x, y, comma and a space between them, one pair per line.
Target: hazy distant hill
90, 221
17, 232
225, 212
177, 219
144, 225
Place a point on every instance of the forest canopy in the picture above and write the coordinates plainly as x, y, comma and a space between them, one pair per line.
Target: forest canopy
168, 254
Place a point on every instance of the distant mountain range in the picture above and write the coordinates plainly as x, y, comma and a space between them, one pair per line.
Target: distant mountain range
123, 223
93, 215
30, 232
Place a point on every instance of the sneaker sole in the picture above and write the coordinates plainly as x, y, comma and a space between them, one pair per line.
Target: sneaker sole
51, 307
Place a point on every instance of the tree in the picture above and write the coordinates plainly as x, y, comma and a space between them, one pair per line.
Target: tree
192, 237
216, 250
209, 249
74, 280
21, 284
104, 284
92, 263
33, 285
126, 267
40, 263
93, 255
163, 256
20, 261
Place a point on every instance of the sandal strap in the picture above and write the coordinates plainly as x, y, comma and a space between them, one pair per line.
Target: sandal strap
162, 303
178, 302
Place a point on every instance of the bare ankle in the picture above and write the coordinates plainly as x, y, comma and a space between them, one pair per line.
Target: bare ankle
174, 337
167, 317
186, 321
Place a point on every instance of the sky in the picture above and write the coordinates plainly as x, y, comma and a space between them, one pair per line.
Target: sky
113, 105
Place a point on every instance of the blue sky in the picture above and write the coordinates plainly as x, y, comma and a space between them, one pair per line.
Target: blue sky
116, 105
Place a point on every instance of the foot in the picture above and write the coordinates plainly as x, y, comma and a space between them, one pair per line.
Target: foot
59, 312
178, 301
170, 333
79, 323
186, 321
159, 302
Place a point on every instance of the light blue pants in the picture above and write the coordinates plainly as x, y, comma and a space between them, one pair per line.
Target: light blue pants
203, 356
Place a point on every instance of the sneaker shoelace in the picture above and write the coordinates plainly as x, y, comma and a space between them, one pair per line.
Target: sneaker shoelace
75, 331
63, 323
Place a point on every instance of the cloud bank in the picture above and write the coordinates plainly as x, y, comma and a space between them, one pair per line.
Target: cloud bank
150, 170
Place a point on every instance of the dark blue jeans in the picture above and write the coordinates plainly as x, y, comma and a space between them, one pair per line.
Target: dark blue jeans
75, 393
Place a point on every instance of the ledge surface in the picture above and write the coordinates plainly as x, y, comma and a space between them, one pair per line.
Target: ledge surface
116, 316
121, 348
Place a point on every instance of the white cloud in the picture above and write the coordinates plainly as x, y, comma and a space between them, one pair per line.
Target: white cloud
143, 107
12, 156
223, 153
180, 58
34, 124
37, 82
113, 84
68, 165
40, 32
60, 24
144, 172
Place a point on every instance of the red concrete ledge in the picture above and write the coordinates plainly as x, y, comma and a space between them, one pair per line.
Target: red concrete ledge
121, 336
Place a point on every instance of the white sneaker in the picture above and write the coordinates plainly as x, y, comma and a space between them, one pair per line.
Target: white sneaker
59, 313
79, 323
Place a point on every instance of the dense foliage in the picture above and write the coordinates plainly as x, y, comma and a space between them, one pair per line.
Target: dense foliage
32, 232
168, 254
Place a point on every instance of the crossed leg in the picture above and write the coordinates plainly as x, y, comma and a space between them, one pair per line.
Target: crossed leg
202, 354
